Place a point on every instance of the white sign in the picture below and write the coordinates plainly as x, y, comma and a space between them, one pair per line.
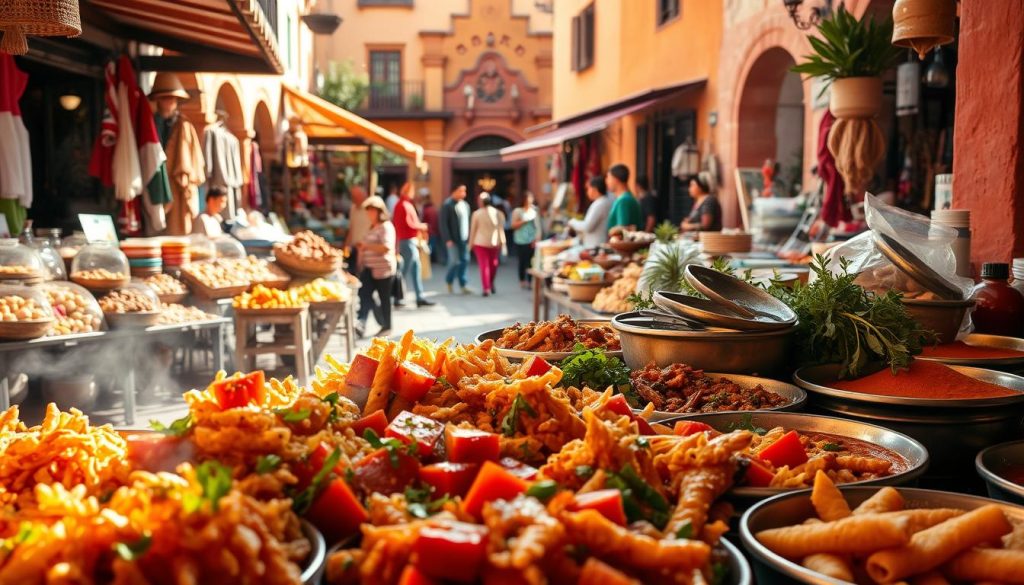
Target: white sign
98, 228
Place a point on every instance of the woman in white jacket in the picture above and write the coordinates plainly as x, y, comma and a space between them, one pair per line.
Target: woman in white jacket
593, 228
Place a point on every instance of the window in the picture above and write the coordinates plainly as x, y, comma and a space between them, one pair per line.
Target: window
385, 80
583, 39
667, 10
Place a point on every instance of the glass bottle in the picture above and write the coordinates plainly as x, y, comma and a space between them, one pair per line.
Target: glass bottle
1000, 308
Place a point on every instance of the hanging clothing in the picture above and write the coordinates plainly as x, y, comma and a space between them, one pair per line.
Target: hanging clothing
223, 156
15, 155
254, 187
833, 205
187, 169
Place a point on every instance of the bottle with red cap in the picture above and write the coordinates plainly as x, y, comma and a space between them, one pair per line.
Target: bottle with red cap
1000, 309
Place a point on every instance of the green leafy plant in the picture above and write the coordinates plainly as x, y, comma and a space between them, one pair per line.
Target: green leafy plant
666, 232
344, 86
594, 369
850, 48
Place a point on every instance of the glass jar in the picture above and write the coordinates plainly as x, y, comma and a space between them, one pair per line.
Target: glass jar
135, 297
20, 262
46, 246
24, 304
75, 310
101, 265
200, 248
1000, 308
228, 247
70, 246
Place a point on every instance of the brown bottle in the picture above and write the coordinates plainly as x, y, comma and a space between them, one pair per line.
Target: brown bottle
1000, 309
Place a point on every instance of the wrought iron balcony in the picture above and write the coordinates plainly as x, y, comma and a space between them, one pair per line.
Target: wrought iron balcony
394, 97
270, 11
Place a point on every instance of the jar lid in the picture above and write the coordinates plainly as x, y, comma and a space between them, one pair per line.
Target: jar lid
995, 270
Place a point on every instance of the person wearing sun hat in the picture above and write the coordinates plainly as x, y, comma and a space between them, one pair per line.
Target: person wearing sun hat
377, 266
186, 166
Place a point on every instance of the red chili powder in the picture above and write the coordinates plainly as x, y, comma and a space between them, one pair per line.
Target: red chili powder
959, 349
924, 379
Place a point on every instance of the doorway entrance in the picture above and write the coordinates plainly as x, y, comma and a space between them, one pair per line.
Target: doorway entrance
489, 173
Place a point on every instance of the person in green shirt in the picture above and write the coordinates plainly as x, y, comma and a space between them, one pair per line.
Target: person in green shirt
625, 211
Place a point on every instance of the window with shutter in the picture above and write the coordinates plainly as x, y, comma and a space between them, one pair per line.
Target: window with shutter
575, 43
667, 10
583, 32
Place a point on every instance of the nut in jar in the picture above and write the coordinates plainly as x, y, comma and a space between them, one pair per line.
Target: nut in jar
75, 310
14, 308
129, 300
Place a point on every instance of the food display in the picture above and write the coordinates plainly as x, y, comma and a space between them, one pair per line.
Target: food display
20, 262
560, 335
175, 314
74, 309
321, 291
165, 285
615, 298
129, 300
924, 379
144, 256
100, 266
215, 279
308, 253
262, 298
201, 248
679, 388
15, 308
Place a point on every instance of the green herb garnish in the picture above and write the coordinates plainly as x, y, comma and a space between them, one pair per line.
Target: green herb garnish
543, 490
130, 551
304, 499
444, 382
685, 531
639, 499
641, 302
332, 399
584, 471
292, 416
510, 422
267, 463
178, 428
215, 480
594, 369
833, 447
393, 446
642, 442
419, 503
747, 424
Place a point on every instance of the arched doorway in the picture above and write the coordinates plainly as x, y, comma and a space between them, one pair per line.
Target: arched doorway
771, 118
488, 172
263, 125
228, 108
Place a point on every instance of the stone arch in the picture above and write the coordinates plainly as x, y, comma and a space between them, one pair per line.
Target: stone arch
229, 101
479, 132
263, 125
759, 107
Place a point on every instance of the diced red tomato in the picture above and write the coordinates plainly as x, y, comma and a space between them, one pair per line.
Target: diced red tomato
412, 381
607, 502
537, 366
786, 451
412, 576
449, 478
408, 428
453, 551
492, 483
306, 469
643, 427
620, 406
685, 428
156, 452
471, 445
385, 472
758, 474
337, 512
518, 468
596, 572
360, 373
240, 390
376, 420
496, 576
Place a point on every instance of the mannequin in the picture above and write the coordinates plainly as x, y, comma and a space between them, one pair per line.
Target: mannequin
186, 166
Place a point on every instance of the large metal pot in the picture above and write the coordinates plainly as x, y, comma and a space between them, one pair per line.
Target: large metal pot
78, 391
760, 353
994, 462
791, 509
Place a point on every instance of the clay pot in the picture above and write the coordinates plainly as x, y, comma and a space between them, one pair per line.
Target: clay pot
923, 24
856, 97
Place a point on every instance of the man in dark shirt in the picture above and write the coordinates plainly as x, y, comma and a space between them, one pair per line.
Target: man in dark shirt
453, 223
648, 203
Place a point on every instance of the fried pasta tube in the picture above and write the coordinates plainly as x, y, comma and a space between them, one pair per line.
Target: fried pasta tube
617, 544
380, 389
830, 565
828, 501
988, 564
936, 545
886, 499
853, 535
930, 578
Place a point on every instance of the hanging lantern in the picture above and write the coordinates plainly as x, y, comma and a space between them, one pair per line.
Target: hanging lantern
45, 18
923, 25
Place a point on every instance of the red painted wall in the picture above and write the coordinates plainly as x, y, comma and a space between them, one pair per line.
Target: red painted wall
988, 161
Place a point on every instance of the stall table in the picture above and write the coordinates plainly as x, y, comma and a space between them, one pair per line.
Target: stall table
544, 297
324, 319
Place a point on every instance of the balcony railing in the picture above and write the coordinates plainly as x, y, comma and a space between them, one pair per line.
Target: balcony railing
270, 11
394, 96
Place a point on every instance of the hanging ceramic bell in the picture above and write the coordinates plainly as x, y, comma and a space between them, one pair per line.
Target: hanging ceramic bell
923, 25
18, 18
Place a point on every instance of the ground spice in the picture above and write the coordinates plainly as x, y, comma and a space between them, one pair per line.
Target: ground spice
959, 349
924, 379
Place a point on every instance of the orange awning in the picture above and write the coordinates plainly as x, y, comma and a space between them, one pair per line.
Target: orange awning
323, 120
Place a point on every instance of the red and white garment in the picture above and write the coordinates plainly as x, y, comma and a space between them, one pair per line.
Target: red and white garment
15, 156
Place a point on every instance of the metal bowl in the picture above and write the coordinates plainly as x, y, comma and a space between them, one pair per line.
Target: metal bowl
550, 356
991, 463
942, 317
913, 451
795, 397
313, 568
991, 341
716, 350
711, 313
744, 299
794, 508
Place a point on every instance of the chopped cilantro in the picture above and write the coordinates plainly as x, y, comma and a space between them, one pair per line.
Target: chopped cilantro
642, 442
267, 463
594, 369
178, 428
292, 416
391, 445
131, 551
640, 500
833, 447
215, 480
747, 424
304, 499
332, 399
510, 423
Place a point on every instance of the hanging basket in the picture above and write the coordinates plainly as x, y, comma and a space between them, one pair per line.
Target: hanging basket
44, 18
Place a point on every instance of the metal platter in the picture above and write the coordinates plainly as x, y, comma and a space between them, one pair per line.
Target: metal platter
794, 508
915, 268
313, 567
990, 341
714, 314
795, 397
993, 462
550, 356
738, 296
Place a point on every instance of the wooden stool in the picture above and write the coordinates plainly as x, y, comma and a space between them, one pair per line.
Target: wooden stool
327, 318
300, 346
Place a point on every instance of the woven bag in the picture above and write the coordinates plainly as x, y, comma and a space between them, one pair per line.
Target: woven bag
48, 18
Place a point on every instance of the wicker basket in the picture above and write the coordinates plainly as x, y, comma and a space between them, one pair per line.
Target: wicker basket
50, 18
202, 290
22, 330
304, 267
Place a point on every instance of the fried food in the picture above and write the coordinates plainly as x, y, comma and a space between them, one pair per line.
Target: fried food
560, 335
680, 388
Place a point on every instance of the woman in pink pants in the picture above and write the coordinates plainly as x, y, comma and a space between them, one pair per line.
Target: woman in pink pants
487, 236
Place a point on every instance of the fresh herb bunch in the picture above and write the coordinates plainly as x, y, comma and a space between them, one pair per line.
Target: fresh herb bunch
850, 48
641, 300
666, 232
841, 322
594, 369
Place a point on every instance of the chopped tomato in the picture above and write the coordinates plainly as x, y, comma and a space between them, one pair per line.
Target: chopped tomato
643, 426
449, 478
607, 502
408, 428
306, 469
377, 420
453, 551
496, 576
596, 572
518, 468
788, 450
361, 372
471, 445
337, 512
685, 428
412, 576
758, 475
620, 406
155, 452
385, 471
412, 381
240, 390
537, 366
492, 483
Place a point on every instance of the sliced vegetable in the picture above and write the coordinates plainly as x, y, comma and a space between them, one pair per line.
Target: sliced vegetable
758, 475
492, 483
518, 468
543, 490
240, 390
607, 502
360, 373
620, 406
376, 420
471, 445
306, 469
685, 428
788, 450
449, 478
412, 428
596, 572
453, 551
537, 366
385, 471
412, 381
337, 512
412, 576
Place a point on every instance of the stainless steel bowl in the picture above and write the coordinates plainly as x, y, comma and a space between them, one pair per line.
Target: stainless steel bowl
794, 508
942, 317
991, 463
913, 451
795, 396
713, 314
990, 341
313, 568
551, 356
717, 350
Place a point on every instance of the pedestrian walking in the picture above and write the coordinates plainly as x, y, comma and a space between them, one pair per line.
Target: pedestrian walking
625, 211
378, 265
526, 232
358, 226
453, 223
487, 235
593, 228
408, 229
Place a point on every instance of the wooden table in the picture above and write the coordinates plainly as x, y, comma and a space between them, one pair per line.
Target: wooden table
324, 319
544, 297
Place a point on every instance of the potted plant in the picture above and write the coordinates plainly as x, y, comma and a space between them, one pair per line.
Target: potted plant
851, 55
